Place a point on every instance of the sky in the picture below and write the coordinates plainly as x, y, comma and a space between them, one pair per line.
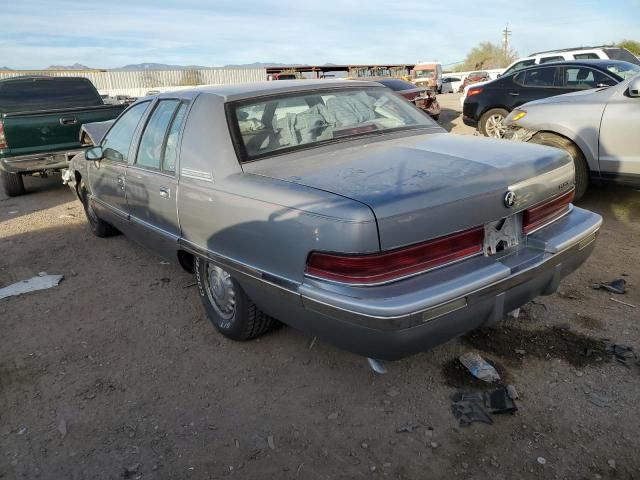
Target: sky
107, 34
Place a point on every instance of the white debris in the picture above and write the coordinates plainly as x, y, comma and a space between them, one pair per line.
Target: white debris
479, 367
41, 282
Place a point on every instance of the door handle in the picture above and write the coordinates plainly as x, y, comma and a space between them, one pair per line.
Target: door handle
514, 94
121, 181
68, 121
165, 192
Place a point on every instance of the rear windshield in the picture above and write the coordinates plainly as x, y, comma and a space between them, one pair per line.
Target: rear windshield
303, 120
32, 94
621, 54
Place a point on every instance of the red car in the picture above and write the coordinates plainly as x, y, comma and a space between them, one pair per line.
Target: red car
423, 98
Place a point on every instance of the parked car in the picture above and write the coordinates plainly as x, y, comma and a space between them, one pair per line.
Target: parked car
337, 208
603, 52
40, 119
476, 77
598, 128
451, 84
422, 98
486, 106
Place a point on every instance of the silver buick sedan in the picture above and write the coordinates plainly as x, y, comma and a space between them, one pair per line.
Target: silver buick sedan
338, 208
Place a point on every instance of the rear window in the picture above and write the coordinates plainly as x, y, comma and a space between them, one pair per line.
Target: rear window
621, 54
284, 123
47, 94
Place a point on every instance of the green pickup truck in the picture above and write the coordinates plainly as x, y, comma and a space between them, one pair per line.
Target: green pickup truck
40, 119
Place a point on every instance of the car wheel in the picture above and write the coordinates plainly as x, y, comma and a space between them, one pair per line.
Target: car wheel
13, 184
581, 167
227, 305
492, 123
99, 227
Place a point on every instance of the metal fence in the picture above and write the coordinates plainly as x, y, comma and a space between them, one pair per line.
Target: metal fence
137, 83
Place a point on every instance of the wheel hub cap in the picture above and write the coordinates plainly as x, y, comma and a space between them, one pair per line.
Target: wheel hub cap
220, 291
495, 126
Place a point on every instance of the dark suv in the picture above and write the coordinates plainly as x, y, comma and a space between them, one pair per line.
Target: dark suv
487, 105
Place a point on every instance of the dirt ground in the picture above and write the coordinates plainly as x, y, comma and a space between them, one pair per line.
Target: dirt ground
116, 373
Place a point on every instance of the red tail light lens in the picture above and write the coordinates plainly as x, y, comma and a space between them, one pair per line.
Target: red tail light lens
370, 269
3, 139
474, 91
538, 216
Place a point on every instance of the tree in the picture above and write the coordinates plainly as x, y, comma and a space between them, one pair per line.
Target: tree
632, 45
487, 55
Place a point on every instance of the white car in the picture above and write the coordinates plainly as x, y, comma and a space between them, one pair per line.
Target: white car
451, 84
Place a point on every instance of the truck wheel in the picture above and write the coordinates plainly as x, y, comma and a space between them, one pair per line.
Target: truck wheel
582, 170
13, 184
492, 123
227, 305
99, 227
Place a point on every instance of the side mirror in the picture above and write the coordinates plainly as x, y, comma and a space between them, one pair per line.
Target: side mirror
94, 154
634, 88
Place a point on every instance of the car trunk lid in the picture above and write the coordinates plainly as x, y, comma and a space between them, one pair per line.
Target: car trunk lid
429, 185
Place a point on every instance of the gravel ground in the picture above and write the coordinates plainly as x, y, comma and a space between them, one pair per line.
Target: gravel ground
116, 373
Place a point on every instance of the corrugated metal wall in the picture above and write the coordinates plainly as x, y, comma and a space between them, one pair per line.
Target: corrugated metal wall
117, 82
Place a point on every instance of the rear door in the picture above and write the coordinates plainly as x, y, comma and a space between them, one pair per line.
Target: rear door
532, 84
619, 147
151, 178
107, 177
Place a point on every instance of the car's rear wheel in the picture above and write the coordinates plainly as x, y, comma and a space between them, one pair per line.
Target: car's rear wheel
227, 305
13, 184
582, 170
99, 227
492, 123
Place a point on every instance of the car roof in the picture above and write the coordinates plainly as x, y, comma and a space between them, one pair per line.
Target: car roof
250, 90
601, 64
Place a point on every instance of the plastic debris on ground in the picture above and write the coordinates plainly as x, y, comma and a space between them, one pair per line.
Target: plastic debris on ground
479, 367
621, 353
615, 286
470, 407
41, 282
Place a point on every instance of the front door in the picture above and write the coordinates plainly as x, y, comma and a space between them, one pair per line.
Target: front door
619, 148
151, 179
107, 177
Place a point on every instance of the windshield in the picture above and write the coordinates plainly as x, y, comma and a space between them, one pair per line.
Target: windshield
424, 73
624, 70
284, 123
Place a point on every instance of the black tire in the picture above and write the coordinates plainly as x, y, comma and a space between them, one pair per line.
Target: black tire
244, 321
487, 128
13, 184
581, 167
99, 227
436, 117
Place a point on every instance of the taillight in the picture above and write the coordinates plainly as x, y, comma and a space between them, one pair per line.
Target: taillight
540, 215
3, 139
371, 269
474, 91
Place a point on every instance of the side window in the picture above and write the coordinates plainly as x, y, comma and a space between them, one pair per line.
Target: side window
584, 77
149, 152
536, 77
586, 56
557, 58
519, 66
171, 146
117, 142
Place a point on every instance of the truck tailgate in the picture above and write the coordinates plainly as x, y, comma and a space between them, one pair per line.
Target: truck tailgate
51, 130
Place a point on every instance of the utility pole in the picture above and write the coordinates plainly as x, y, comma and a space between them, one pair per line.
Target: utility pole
506, 33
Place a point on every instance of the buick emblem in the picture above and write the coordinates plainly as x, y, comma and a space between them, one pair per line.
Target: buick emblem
509, 199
